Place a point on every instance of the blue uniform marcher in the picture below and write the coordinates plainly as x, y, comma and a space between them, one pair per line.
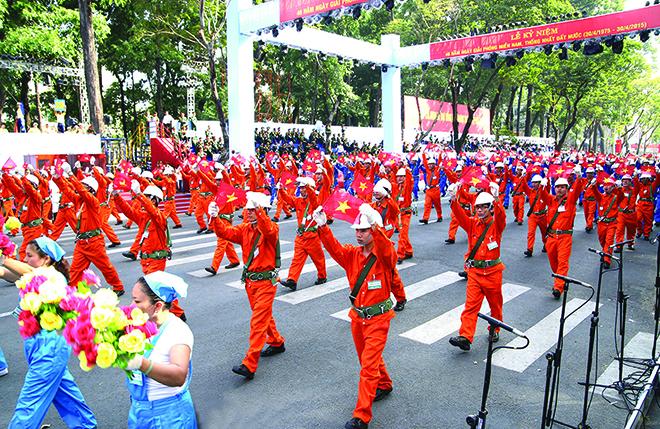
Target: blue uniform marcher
3, 364
47, 381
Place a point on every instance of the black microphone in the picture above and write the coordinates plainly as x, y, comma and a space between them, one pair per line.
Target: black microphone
630, 241
499, 324
601, 253
570, 280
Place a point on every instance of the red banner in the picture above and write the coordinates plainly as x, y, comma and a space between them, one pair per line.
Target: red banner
292, 9
646, 18
437, 116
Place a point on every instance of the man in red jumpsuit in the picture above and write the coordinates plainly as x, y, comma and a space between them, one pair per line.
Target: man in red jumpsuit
482, 263
306, 242
30, 212
167, 181
608, 202
259, 239
518, 193
432, 192
626, 224
589, 202
369, 268
646, 189
403, 191
537, 215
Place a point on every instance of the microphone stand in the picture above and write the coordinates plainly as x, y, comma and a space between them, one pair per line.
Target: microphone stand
478, 421
656, 240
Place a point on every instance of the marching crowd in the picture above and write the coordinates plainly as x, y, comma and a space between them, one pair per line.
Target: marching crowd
374, 190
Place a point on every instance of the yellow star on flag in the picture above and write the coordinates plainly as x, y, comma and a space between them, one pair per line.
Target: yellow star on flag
475, 181
363, 186
231, 197
560, 170
343, 206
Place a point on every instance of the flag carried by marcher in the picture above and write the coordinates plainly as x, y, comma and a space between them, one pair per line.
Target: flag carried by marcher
121, 182
361, 185
474, 176
342, 205
227, 194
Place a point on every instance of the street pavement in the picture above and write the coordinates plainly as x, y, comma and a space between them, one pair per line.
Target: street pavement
314, 383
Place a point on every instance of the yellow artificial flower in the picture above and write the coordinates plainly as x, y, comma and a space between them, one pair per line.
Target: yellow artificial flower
51, 321
52, 291
105, 298
101, 317
31, 302
138, 317
83, 362
133, 342
24, 280
106, 355
119, 321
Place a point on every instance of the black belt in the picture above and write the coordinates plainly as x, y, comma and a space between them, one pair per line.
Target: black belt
560, 231
35, 222
627, 211
477, 263
88, 234
158, 254
374, 310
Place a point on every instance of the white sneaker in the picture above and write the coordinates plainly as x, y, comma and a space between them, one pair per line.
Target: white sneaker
4, 371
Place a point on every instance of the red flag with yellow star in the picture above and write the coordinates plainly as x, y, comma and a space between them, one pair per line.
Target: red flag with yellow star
121, 182
362, 186
473, 176
288, 181
342, 205
227, 194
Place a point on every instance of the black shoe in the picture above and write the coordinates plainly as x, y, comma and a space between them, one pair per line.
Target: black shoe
439, 219
408, 256
210, 270
463, 274
330, 221
119, 292
631, 247
528, 253
356, 423
242, 370
232, 265
320, 281
460, 342
289, 283
188, 214
519, 222
424, 221
607, 265
117, 244
543, 250
129, 255
126, 226
381, 394
209, 231
400, 305
399, 261
496, 337
183, 317
646, 238
556, 293
199, 231
272, 350
276, 219
177, 226
638, 235
450, 241
119, 222
288, 216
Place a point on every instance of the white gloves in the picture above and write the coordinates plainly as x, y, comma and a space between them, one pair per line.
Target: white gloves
319, 216
134, 363
214, 210
451, 190
593, 182
494, 189
92, 160
577, 169
111, 188
373, 217
544, 182
135, 186
618, 183
66, 167
77, 164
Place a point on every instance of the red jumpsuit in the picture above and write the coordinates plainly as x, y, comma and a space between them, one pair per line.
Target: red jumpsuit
193, 183
537, 216
432, 192
626, 224
607, 224
389, 212
47, 205
369, 334
104, 198
261, 293
7, 199
485, 269
501, 178
518, 196
560, 232
306, 242
30, 213
90, 246
404, 201
464, 198
589, 205
204, 198
168, 184
646, 191
66, 214
277, 172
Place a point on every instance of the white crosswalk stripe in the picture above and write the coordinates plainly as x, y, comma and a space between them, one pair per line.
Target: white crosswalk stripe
416, 290
204, 273
542, 336
318, 291
449, 322
129, 233
307, 268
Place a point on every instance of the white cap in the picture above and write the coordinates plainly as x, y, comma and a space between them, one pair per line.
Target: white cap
361, 221
32, 179
645, 176
255, 199
168, 170
590, 170
136, 171
626, 176
432, 160
459, 167
218, 175
91, 182
484, 198
319, 170
147, 174
401, 172
499, 165
153, 191
537, 178
306, 181
561, 181
383, 186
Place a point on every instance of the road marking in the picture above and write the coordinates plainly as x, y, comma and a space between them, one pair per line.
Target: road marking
443, 325
318, 291
120, 233
203, 273
542, 336
416, 290
307, 268
639, 347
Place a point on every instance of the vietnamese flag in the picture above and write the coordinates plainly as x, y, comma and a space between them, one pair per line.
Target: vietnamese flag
625, 169
558, 170
122, 182
604, 178
342, 205
473, 176
361, 186
125, 165
288, 181
227, 194
648, 169
205, 166
9, 165
309, 166
449, 163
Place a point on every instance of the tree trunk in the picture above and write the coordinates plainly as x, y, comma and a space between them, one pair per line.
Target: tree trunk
541, 124
91, 69
509, 110
25, 90
37, 104
374, 110
520, 93
316, 91
122, 94
458, 143
528, 111
494, 105
3, 99
159, 88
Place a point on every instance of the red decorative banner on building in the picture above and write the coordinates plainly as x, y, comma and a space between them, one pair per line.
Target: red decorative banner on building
293, 9
611, 24
437, 116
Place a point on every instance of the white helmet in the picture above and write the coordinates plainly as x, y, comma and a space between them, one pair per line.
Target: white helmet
361, 221
590, 170
136, 171
383, 186
147, 174
459, 167
32, 179
626, 177
537, 178
153, 191
645, 176
306, 181
401, 172
499, 165
91, 182
255, 199
110, 175
218, 175
561, 181
484, 198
